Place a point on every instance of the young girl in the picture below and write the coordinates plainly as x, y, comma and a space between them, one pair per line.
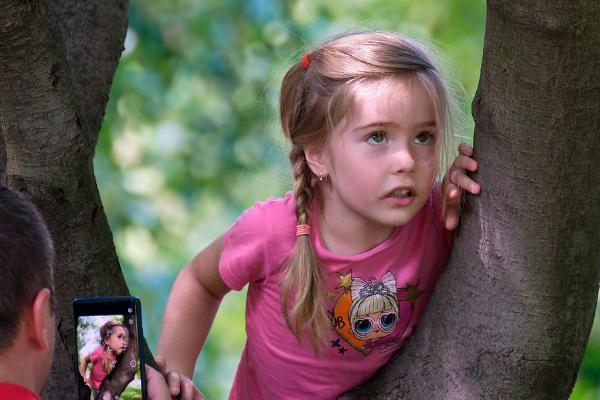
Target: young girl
339, 270
113, 342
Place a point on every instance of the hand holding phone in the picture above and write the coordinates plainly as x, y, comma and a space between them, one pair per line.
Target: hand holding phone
109, 337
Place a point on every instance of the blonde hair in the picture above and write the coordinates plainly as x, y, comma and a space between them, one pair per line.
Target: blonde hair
313, 101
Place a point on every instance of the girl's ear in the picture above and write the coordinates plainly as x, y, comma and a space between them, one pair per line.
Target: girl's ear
317, 159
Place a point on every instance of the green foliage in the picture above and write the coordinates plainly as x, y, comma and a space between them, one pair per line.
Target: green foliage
131, 393
191, 134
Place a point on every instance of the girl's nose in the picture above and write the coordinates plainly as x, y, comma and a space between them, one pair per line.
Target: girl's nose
403, 160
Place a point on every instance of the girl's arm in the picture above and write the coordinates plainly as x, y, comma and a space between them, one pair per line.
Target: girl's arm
190, 310
83, 366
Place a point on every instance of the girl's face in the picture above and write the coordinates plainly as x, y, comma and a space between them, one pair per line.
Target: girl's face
118, 340
375, 325
382, 158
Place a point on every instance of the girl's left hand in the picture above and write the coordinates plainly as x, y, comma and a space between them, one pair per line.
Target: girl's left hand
156, 388
179, 386
455, 181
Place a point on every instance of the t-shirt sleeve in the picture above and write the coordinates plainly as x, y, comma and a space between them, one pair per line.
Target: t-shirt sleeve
96, 354
244, 257
438, 220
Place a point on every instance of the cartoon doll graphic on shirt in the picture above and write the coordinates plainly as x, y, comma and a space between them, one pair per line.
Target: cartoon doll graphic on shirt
374, 310
372, 314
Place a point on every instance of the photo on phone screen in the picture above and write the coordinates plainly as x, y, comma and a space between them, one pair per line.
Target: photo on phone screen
108, 333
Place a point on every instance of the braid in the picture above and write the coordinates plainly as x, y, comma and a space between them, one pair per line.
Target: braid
303, 275
303, 192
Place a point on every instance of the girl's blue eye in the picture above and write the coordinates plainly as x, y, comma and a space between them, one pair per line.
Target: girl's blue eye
378, 137
388, 320
362, 326
424, 138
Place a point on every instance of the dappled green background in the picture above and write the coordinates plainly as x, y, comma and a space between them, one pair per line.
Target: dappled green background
191, 136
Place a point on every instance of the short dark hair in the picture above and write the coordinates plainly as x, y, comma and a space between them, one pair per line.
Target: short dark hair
26, 260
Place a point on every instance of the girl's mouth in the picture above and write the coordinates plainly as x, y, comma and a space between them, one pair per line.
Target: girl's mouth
401, 193
400, 197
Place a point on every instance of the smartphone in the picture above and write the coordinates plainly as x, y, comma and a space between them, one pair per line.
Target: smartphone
109, 337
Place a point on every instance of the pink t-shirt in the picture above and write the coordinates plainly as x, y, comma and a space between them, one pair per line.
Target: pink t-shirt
97, 373
376, 298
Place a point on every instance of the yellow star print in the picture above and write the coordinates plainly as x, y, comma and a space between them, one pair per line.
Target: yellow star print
345, 281
412, 293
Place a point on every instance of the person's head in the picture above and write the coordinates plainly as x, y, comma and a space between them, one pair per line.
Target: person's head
27, 287
114, 336
368, 118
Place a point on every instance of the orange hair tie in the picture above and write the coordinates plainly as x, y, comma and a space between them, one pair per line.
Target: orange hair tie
305, 60
302, 230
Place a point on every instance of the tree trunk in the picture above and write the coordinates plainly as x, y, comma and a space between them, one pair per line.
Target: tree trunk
511, 316
57, 61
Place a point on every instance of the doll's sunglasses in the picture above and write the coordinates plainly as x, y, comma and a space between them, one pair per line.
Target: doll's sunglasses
364, 325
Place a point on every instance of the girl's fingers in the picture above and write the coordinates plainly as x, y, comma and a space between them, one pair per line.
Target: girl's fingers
452, 193
464, 182
174, 380
465, 163
452, 206
188, 390
157, 387
451, 218
465, 149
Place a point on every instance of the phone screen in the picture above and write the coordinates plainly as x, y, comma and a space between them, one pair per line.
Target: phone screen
108, 335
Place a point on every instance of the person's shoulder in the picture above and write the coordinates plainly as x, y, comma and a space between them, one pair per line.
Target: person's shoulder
276, 206
274, 212
97, 353
276, 219
264, 220
256, 241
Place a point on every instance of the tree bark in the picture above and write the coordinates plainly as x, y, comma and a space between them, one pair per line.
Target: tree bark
511, 316
57, 59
